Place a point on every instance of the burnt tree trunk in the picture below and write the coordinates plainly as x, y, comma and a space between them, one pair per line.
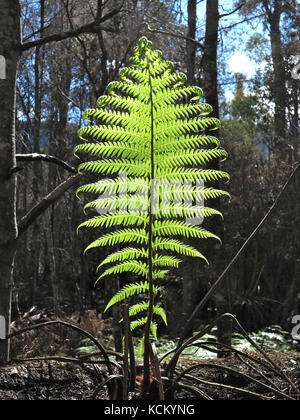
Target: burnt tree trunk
10, 38
190, 270
279, 81
210, 87
191, 47
210, 55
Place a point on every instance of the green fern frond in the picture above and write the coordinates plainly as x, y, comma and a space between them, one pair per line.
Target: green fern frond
150, 129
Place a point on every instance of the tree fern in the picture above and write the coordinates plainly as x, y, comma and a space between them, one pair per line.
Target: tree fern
150, 128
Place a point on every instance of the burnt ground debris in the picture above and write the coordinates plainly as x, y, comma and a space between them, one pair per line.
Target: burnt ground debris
220, 379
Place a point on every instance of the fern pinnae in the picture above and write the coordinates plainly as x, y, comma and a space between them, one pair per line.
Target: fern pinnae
166, 260
180, 111
177, 246
118, 237
125, 254
182, 174
143, 307
143, 321
112, 149
114, 186
151, 128
191, 157
120, 218
130, 290
186, 142
131, 266
175, 227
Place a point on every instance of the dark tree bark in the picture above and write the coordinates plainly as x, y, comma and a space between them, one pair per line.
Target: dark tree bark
10, 39
11, 48
210, 71
279, 87
210, 87
273, 11
35, 255
191, 47
190, 271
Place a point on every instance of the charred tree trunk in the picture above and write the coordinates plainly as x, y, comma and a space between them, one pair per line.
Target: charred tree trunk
279, 81
210, 71
37, 167
191, 47
10, 38
190, 272
210, 87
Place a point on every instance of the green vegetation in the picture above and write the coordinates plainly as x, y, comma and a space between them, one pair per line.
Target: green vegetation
148, 131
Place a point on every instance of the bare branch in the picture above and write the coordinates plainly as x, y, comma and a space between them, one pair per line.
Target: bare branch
90, 28
242, 21
69, 99
175, 35
93, 27
36, 32
197, 42
268, 10
33, 157
46, 202
233, 11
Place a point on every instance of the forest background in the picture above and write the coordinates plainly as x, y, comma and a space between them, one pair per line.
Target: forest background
244, 55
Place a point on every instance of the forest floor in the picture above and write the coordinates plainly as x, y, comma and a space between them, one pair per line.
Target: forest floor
53, 380
230, 378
